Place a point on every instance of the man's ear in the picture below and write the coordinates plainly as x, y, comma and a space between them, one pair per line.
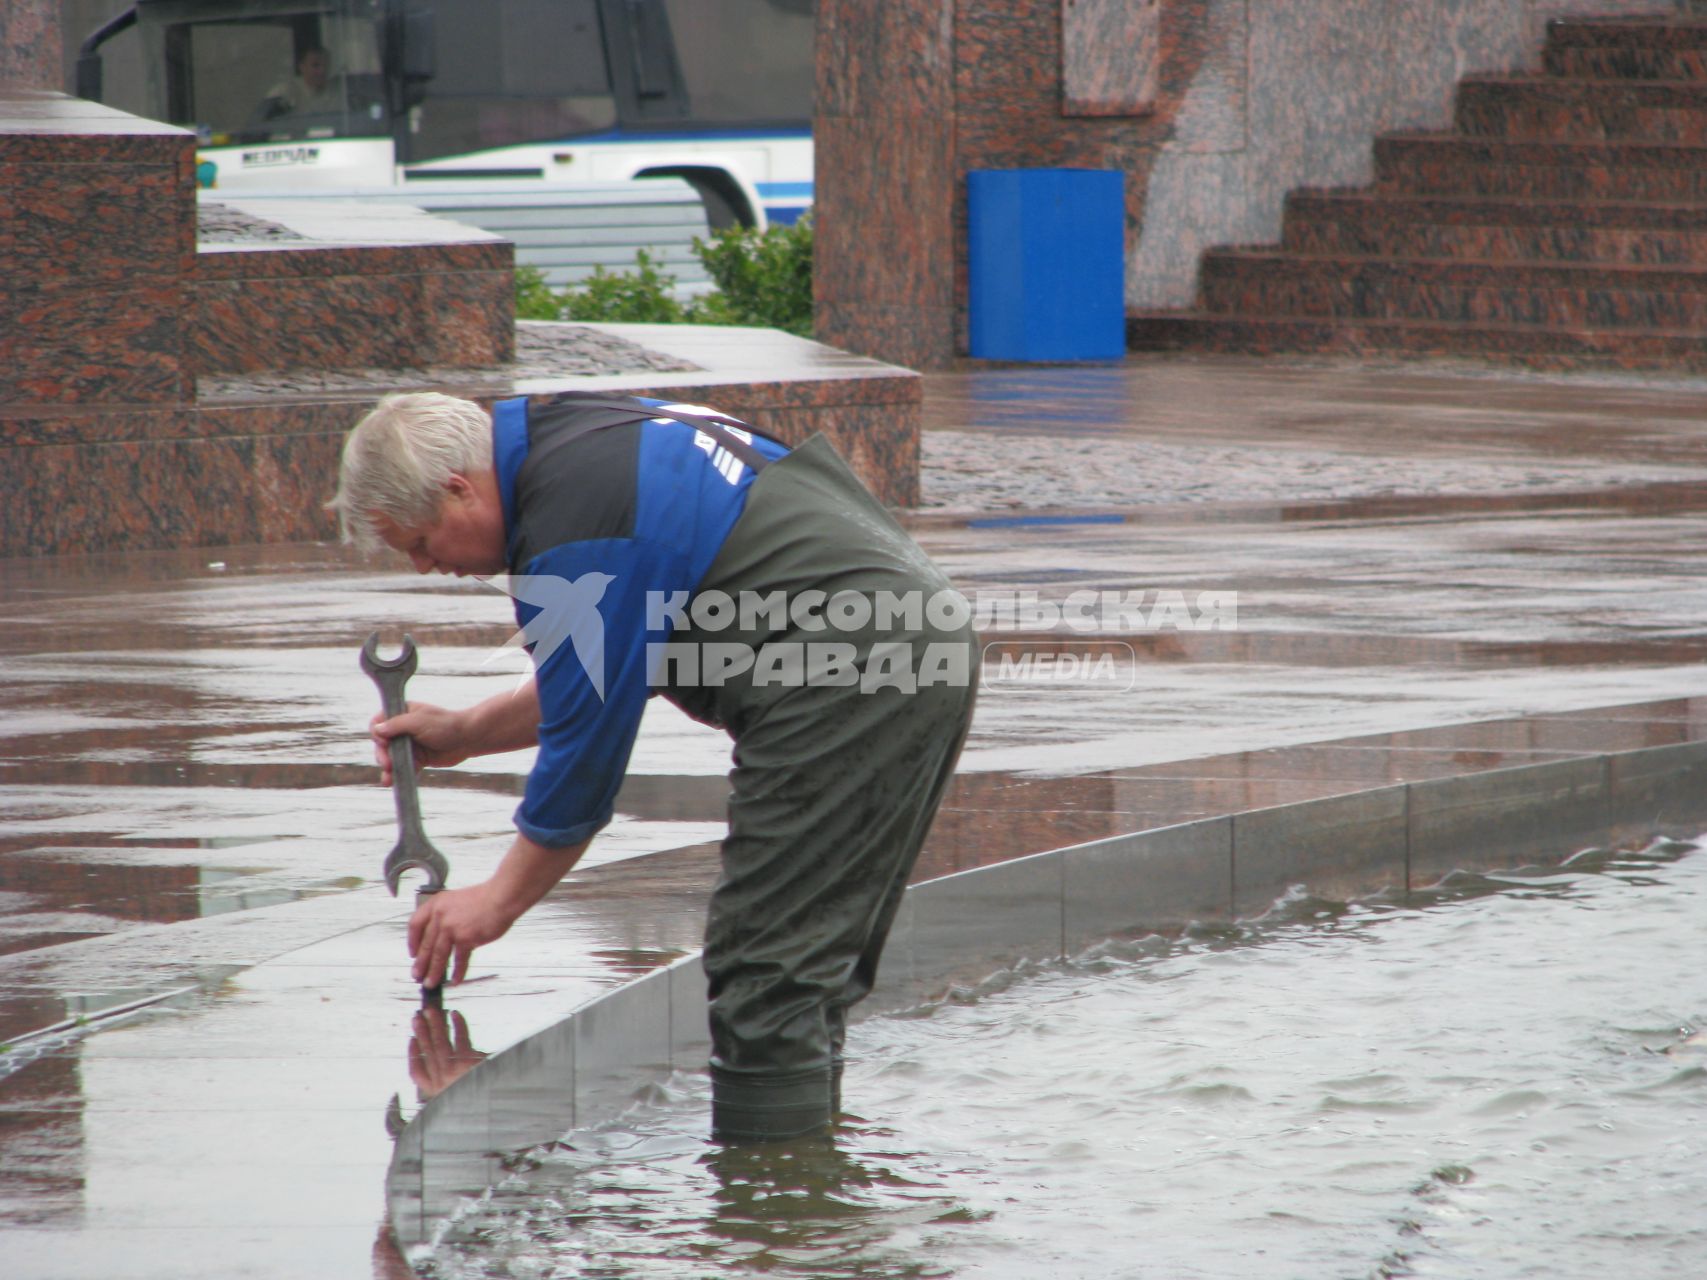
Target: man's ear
458, 488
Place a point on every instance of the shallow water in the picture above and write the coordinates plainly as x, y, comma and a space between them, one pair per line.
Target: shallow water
1490, 1080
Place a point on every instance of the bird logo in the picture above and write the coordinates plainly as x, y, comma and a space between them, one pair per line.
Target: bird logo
566, 610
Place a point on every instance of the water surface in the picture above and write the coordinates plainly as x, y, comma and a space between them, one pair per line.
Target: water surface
1494, 1079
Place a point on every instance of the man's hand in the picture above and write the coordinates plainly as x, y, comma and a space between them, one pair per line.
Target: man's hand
448, 926
504, 722
442, 737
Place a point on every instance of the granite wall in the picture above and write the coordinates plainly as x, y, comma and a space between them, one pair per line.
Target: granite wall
1213, 109
97, 235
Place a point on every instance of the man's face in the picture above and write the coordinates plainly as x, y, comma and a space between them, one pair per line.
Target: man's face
465, 537
314, 68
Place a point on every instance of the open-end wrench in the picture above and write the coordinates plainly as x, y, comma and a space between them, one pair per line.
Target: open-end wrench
413, 851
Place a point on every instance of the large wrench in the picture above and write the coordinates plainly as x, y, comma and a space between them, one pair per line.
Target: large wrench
413, 851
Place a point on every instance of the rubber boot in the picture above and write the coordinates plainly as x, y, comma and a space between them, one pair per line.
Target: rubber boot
761, 1107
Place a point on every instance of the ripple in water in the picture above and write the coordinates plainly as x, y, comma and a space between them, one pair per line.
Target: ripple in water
1493, 1079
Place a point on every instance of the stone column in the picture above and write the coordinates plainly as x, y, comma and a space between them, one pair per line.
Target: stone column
885, 182
912, 94
32, 54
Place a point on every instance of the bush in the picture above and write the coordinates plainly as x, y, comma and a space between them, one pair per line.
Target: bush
642, 296
762, 279
534, 298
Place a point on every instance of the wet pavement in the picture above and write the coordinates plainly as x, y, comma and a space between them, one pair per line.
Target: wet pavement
1434, 573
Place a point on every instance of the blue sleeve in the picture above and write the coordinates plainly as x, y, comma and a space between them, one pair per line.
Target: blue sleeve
582, 608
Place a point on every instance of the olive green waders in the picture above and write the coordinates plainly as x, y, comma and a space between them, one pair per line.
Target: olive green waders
834, 783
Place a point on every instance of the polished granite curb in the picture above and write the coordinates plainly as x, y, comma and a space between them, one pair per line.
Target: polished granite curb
960, 929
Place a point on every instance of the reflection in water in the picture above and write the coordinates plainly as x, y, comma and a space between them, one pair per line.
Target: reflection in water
651, 1199
1491, 1078
441, 1051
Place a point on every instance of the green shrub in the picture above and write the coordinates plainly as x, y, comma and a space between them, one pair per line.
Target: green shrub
642, 296
763, 278
534, 298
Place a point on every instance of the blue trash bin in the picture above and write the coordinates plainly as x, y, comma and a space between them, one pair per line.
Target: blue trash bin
1046, 252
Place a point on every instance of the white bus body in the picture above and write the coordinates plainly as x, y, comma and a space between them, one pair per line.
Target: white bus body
341, 94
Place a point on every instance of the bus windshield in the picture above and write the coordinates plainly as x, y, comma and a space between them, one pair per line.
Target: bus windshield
745, 63
516, 71
267, 70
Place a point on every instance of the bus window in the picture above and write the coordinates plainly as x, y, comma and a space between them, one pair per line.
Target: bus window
745, 61
512, 71
279, 72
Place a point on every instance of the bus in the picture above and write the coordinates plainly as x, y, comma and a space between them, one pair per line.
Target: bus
342, 94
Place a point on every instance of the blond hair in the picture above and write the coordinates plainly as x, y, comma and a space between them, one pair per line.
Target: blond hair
398, 459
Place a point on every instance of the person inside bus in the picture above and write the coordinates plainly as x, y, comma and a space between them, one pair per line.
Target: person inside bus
313, 90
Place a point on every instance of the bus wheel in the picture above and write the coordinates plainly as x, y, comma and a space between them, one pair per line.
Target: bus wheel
725, 205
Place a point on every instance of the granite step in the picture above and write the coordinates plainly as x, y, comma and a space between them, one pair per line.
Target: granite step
1447, 164
1265, 283
1561, 223
1667, 31
1559, 109
1610, 49
1534, 347
1370, 224
1632, 62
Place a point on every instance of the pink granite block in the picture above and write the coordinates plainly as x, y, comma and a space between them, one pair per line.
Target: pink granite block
91, 222
1373, 224
468, 317
885, 202
301, 259
1575, 296
1007, 57
1449, 164
138, 495
1540, 14
742, 398
293, 477
885, 58
121, 142
43, 424
1565, 110
73, 342
914, 337
1004, 140
278, 416
1111, 56
32, 46
351, 322
880, 442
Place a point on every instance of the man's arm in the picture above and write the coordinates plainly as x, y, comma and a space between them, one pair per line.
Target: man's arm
503, 722
449, 925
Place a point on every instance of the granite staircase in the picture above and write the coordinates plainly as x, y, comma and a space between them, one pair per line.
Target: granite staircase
1561, 223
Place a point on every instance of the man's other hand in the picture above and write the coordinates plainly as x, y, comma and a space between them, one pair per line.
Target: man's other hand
448, 926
